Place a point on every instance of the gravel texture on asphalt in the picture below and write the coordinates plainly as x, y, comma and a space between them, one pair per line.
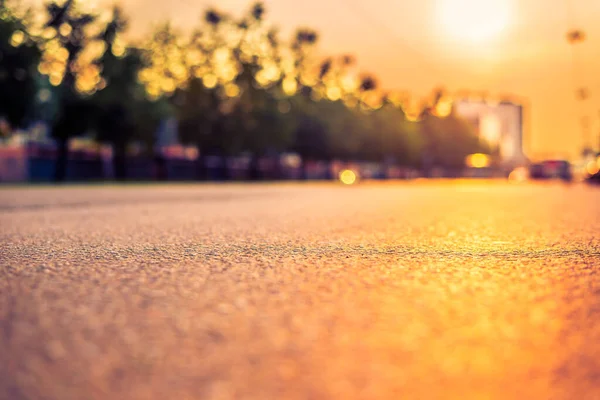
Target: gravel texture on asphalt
433, 290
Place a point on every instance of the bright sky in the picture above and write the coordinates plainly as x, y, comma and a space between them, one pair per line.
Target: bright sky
515, 47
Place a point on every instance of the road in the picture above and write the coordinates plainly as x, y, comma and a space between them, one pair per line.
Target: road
424, 290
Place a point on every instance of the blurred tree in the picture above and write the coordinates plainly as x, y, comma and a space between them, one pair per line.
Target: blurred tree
202, 105
114, 122
229, 100
349, 131
447, 138
235, 87
200, 121
459, 141
19, 58
327, 128
397, 138
311, 140
68, 60
345, 111
303, 43
123, 111
268, 128
263, 106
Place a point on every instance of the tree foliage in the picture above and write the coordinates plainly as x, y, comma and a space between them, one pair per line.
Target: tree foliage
123, 113
233, 85
19, 58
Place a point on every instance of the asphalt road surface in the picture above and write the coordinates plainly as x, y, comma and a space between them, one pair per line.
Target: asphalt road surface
440, 290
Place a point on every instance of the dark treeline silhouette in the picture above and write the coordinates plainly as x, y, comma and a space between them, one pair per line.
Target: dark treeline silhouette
233, 85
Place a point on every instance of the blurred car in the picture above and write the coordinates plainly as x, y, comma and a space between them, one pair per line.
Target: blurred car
551, 169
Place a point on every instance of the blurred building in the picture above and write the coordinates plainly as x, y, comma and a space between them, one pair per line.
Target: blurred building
499, 124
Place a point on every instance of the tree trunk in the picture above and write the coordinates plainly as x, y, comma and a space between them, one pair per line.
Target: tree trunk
254, 170
62, 159
224, 173
277, 169
160, 168
304, 169
120, 161
328, 173
201, 169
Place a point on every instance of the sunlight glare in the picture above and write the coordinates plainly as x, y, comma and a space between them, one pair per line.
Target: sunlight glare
475, 20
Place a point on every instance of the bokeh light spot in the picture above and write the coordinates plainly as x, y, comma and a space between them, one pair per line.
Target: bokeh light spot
55, 79
17, 39
289, 86
348, 177
592, 167
232, 90
210, 81
478, 160
65, 29
334, 93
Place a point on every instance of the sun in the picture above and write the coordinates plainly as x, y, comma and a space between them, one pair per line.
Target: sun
474, 20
